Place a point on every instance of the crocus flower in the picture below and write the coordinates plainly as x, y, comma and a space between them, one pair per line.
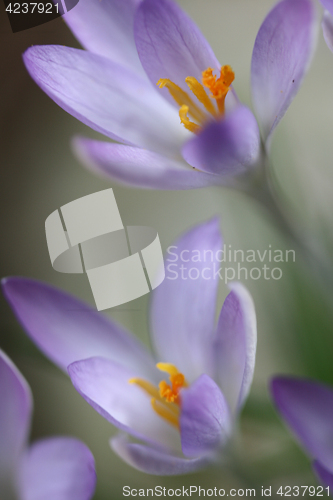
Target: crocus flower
60, 468
181, 402
150, 81
307, 407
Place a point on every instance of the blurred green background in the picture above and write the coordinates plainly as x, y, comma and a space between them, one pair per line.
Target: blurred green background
39, 174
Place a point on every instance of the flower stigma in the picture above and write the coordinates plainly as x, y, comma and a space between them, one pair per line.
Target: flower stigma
165, 399
218, 86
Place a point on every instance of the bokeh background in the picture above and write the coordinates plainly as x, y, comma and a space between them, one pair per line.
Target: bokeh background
39, 173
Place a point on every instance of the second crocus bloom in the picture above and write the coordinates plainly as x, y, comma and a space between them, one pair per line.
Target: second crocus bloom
181, 402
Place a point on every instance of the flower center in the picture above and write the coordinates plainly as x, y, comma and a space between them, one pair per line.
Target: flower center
165, 399
218, 86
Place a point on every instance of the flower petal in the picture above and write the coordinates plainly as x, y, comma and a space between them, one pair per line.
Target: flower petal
153, 461
183, 306
205, 419
67, 330
328, 5
15, 413
139, 167
57, 469
225, 147
235, 345
106, 28
281, 57
106, 96
327, 25
170, 45
307, 407
106, 386
324, 476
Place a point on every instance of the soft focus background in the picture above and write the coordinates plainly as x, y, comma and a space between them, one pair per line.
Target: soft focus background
295, 323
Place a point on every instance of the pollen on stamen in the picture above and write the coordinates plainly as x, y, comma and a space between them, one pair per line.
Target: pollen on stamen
219, 87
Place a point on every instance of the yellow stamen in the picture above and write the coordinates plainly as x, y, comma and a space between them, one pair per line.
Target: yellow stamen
219, 87
168, 368
166, 398
153, 391
182, 98
146, 386
164, 412
192, 127
200, 94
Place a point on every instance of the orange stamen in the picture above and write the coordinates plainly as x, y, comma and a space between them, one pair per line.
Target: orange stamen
219, 87
165, 399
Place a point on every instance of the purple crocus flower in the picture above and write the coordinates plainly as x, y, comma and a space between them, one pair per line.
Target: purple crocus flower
183, 408
190, 130
307, 407
58, 468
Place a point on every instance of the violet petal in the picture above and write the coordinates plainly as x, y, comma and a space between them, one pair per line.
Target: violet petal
106, 386
183, 306
328, 5
225, 147
106, 28
205, 419
106, 96
68, 330
281, 56
152, 461
59, 468
235, 345
307, 408
325, 476
170, 45
139, 167
15, 414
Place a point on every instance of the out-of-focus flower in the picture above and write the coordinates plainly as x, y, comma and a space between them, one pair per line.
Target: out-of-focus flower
307, 407
134, 45
58, 468
182, 409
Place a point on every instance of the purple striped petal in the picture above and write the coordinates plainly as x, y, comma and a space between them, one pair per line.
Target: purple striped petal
205, 419
183, 306
15, 413
67, 330
281, 57
139, 167
225, 147
106, 28
57, 469
106, 96
170, 45
235, 346
307, 407
327, 25
105, 386
153, 461
324, 476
